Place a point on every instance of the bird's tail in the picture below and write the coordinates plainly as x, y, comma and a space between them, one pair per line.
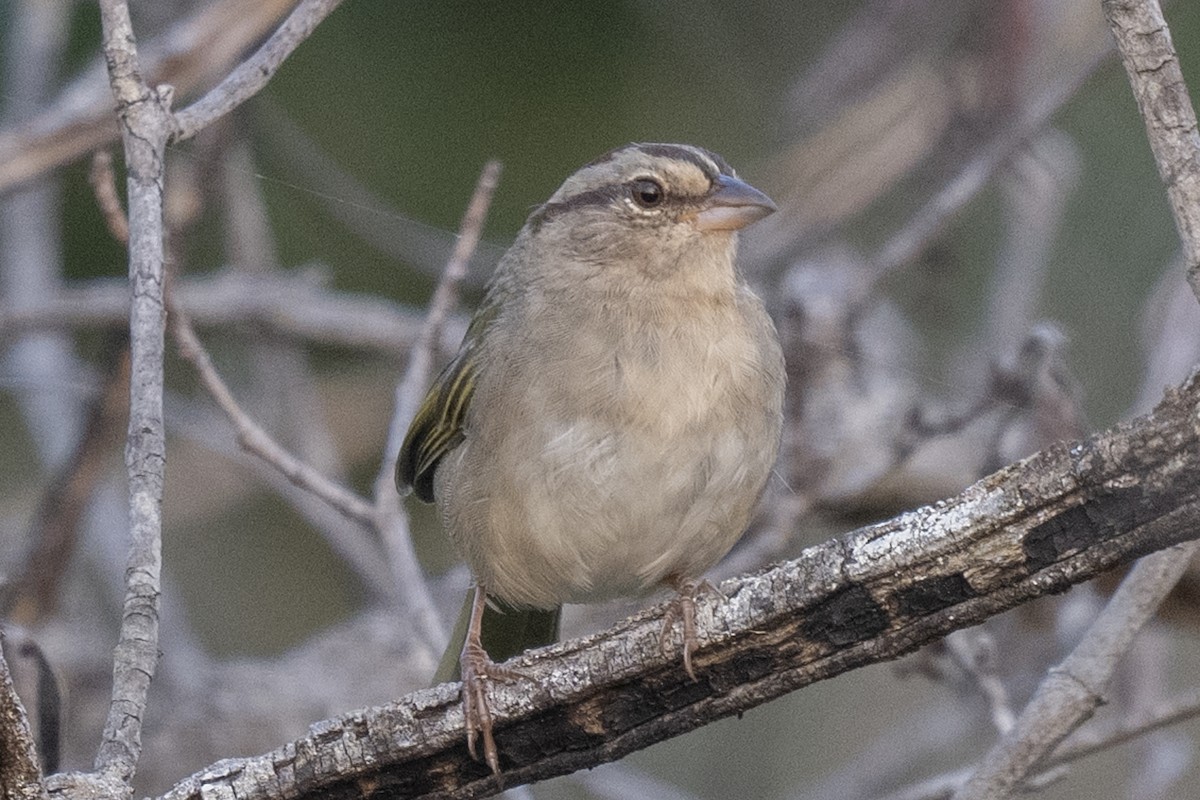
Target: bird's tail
506, 632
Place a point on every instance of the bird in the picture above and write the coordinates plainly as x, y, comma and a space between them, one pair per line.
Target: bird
613, 413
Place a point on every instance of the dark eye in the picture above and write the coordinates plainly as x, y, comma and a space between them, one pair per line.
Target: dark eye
646, 193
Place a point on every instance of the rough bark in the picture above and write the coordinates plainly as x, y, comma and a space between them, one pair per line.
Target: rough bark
1034, 528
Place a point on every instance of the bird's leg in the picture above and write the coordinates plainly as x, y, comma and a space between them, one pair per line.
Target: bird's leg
683, 607
477, 668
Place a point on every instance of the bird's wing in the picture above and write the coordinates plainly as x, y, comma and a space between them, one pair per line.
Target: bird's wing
439, 424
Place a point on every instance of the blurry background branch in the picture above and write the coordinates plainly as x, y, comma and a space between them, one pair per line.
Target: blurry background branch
300, 304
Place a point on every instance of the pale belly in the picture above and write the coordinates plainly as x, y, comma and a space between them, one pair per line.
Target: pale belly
583, 510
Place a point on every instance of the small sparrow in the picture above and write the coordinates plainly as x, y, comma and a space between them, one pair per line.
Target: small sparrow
615, 407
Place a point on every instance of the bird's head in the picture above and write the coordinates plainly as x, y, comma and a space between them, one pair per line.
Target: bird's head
663, 210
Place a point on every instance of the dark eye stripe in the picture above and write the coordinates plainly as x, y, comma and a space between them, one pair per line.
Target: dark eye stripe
701, 159
600, 196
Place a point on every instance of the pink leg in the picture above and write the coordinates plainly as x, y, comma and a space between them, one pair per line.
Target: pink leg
477, 668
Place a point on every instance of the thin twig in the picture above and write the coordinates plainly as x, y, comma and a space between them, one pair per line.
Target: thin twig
1144, 42
104, 186
146, 124
252, 75
254, 438
187, 55
1070, 692
1083, 743
392, 520
413, 384
929, 220
298, 304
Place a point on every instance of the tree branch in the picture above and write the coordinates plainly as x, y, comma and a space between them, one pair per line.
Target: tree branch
299, 305
252, 75
391, 519
145, 117
1070, 692
1148, 54
1034, 528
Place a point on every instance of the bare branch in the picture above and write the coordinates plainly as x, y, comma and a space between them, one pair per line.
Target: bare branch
253, 74
187, 55
1177, 709
254, 438
391, 518
416, 376
1031, 529
1148, 54
1071, 691
297, 304
145, 117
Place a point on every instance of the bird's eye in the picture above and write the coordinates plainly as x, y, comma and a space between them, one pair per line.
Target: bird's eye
647, 193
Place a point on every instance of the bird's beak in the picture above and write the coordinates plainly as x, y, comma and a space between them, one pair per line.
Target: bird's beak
735, 204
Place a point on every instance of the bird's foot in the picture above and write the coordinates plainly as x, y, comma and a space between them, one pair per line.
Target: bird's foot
477, 669
683, 608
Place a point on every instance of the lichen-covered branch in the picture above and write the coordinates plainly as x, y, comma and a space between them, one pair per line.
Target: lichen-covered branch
1034, 528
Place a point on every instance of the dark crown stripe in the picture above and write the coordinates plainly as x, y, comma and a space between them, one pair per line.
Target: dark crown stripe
699, 157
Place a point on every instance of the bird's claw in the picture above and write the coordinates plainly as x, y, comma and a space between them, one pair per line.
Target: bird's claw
683, 608
477, 669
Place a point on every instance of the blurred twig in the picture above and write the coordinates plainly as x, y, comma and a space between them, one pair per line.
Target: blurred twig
929, 220
104, 186
187, 55
31, 258
299, 304
391, 518
56, 527
1071, 691
1083, 743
